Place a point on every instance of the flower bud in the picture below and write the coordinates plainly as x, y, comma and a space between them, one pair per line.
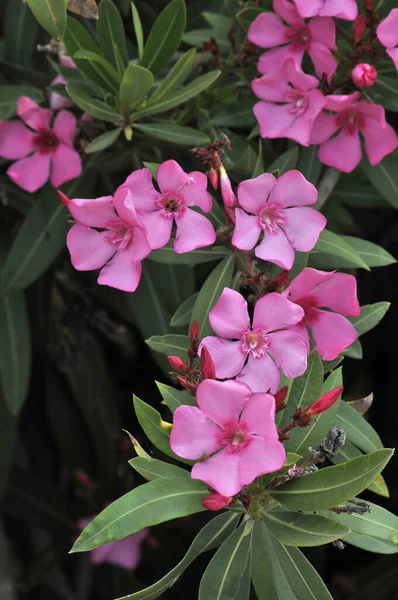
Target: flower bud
195, 333
228, 195
281, 395
213, 176
281, 279
64, 198
216, 501
177, 364
207, 367
359, 27
324, 402
368, 4
364, 75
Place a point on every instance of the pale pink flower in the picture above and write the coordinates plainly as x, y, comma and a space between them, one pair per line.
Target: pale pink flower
314, 290
317, 37
289, 103
57, 101
109, 236
364, 75
343, 9
159, 210
125, 553
387, 32
278, 210
44, 151
233, 430
352, 117
265, 348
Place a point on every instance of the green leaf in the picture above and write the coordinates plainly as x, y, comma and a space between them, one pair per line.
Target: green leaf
182, 315
284, 162
15, 350
238, 114
218, 21
170, 345
333, 485
246, 16
385, 92
165, 36
156, 469
175, 77
196, 37
212, 288
222, 578
174, 134
139, 35
174, 398
210, 537
111, 36
348, 452
309, 164
135, 85
371, 315
103, 141
173, 99
372, 254
294, 529
354, 350
261, 565
384, 177
92, 106
169, 256
8, 429
10, 95
359, 432
51, 15
331, 243
20, 32
102, 65
147, 505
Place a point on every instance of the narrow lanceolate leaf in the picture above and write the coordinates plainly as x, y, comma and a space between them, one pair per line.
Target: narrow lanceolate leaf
92, 106
384, 177
175, 77
51, 15
333, 485
174, 134
294, 529
309, 164
15, 350
10, 95
165, 36
111, 36
262, 577
139, 35
135, 85
174, 398
149, 504
330, 243
103, 141
210, 537
103, 66
151, 469
359, 432
20, 31
370, 316
284, 162
211, 290
8, 429
223, 576
182, 315
170, 345
372, 254
169, 256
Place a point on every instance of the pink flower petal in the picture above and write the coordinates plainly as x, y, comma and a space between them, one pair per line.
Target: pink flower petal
343, 9
195, 194
222, 401
342, 152
379, 141
272, 60
31, 173
55, 100
275, 120
125, 207
230, 303
271, 87
332, 333
288, 12
227, 356
323, 128
31, 113
220, 472
16, 140
339, 102
93, 212
339, 293
301, 129
305, 282
157, 227
100, 555
289, 351
171, 177
301, 329
247, 230
292, 189
193, 231
295, 74
125, 553
323, 30
268, 30
260, 457
387, 31
253, 193
261, 375
259, 416
89, 249
65, 127
193, 434
143, 193
277, 249
303, 227
323, 59
273, 311
308, 8
123, 272
393, 53
67, 165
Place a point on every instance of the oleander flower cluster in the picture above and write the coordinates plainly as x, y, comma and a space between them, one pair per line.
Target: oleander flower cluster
327, 108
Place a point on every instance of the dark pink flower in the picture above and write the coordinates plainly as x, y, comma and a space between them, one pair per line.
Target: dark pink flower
289, 103
343, 9
56, 100
159, 210
44, 151
364, 75
261, 344
315, 290
233, 431
278, 210
317, 37
108, 236
351, 117
387, 32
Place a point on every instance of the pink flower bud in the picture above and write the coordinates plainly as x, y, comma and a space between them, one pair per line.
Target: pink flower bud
194, 333
228, 195
64, 198
216, 501
364, 75
359, 27
207, 367
281, 395
368, 4
213, 176
177, 364
324, 402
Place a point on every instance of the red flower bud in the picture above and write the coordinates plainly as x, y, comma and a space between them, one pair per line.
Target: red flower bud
281, 279
195, 333
364, 75
177, 364
64, 198
207, 367
359, 27
368, 4
213, 176
216, 501
324, 402
281, 395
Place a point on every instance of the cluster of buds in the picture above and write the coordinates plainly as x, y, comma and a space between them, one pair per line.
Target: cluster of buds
258, 281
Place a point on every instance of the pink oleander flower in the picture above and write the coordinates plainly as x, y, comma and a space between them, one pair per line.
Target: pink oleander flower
278, 210
265, 348
109, 236
387, 32
315, 290
343, 9
352, 117
159, 210
44, 151
234, 433
317, 37
364, 75
125, 553
289, 103
56, 100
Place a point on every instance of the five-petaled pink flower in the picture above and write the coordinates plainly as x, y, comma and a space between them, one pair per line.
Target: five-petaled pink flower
289, 103
264, 347
314, 290
158, 211
343, 9
278, 210
108, 236
41, 151
234, 432
352, 117
125, 553
317, 37
387, 32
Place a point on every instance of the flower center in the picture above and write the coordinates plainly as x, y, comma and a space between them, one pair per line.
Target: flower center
119, 234
270, 216
299, 36
45, 141
298, 102
350, 120
234, 436
309, 304
172, 205
255, 342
